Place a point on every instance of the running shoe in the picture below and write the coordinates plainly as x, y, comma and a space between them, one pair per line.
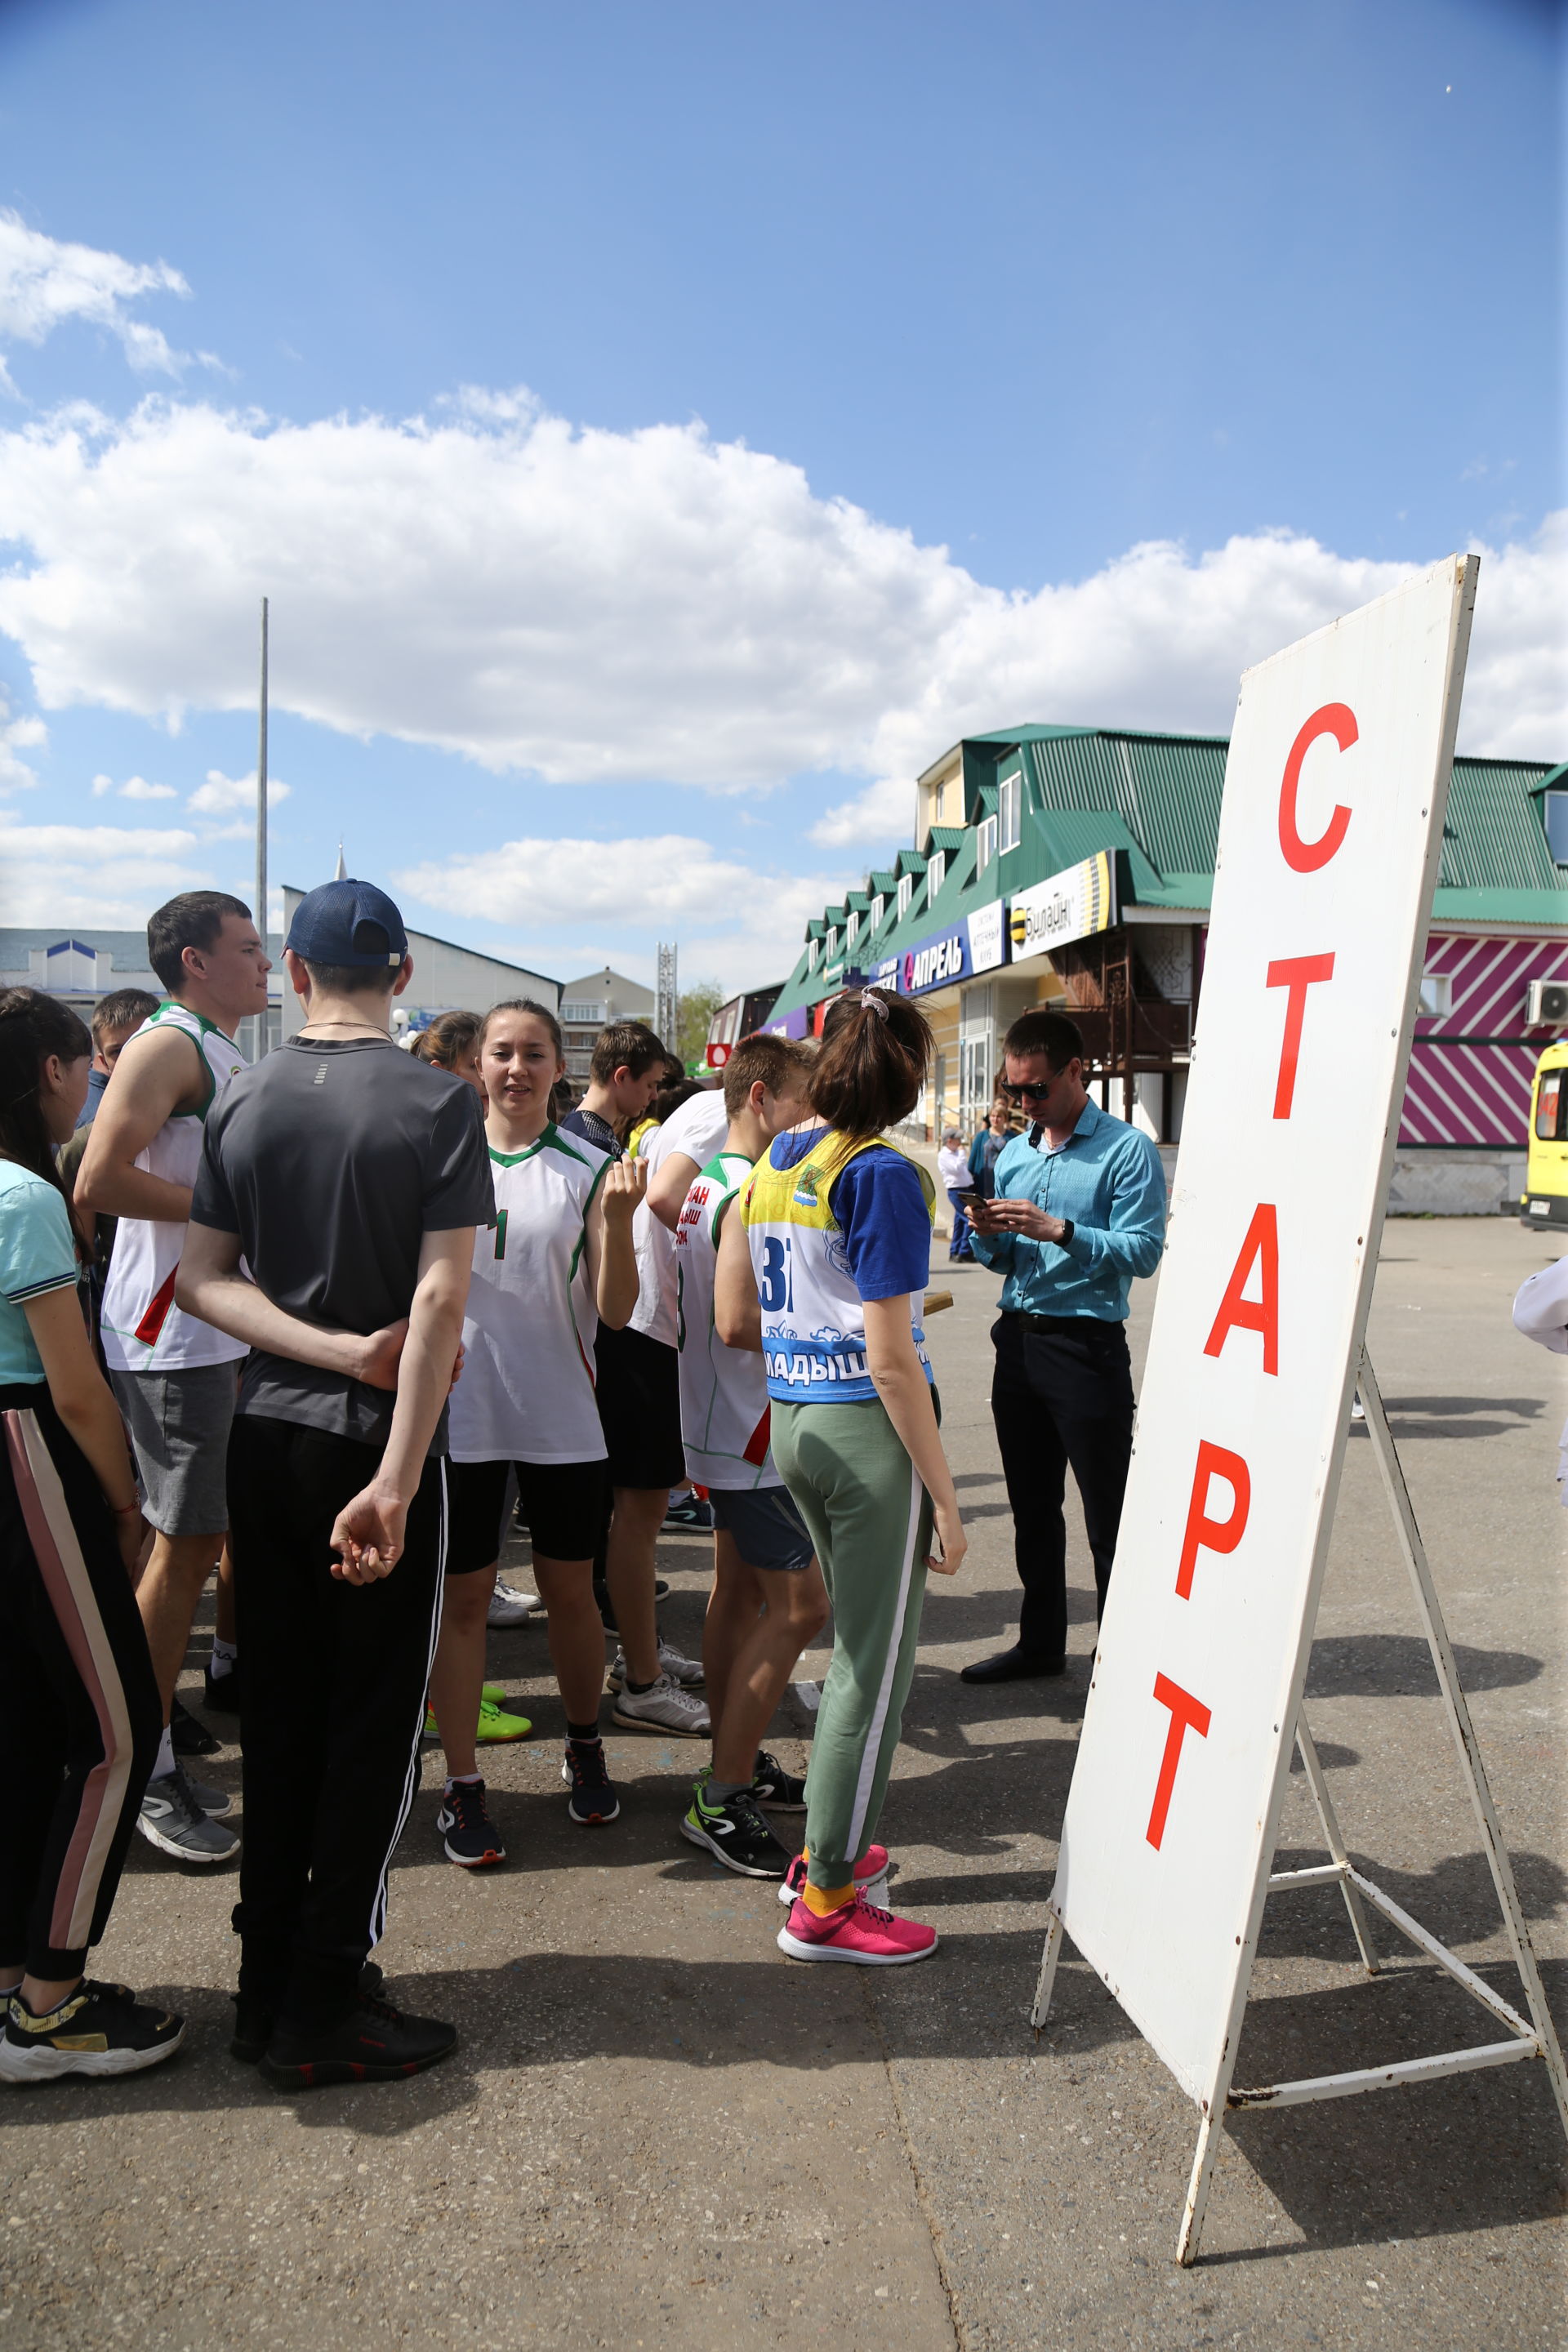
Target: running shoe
217, 1804
173, 1820
496, 1726
592, 1801
857, 1932
663, 1706
98, 2028
686, 1672
221, 1691
690, 1516
736, 1834
375, 2043
189, 1738
870, 1873
510, 1607
469, 1836
255, 2019
772, 1785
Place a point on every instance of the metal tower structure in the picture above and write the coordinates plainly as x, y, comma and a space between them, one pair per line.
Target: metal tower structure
666, 1016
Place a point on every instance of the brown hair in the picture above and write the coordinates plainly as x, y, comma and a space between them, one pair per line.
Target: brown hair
873, 1062
773, 1060
625, 1044
523, 1004
126, 1009
32, 1027
1050, 1033
447, 1039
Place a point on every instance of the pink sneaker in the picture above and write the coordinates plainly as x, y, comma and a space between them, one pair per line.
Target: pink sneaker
871, 1867
858, 1932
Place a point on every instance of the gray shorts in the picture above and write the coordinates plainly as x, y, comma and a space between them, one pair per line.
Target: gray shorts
179, 1422
765, 1526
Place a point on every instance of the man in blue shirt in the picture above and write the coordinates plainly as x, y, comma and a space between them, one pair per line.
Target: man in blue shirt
1078, 1210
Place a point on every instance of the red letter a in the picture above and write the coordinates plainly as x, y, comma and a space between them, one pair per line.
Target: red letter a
1259, 1315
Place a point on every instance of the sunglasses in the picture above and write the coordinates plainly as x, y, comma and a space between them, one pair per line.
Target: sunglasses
1029, 1092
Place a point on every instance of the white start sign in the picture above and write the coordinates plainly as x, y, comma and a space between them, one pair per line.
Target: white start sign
1328, 843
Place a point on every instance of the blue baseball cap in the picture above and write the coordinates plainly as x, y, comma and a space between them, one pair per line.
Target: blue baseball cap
348, 923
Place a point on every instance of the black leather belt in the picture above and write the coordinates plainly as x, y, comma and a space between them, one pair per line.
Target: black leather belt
1058, 1322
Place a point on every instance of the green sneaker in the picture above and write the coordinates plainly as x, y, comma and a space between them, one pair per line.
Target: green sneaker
495, 1725
736, 1835
494, 1692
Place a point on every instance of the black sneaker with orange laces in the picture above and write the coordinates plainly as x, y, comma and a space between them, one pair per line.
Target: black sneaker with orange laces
375, 2043
592, 1801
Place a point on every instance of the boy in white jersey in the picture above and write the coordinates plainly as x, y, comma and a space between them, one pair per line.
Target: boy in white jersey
174, 1376
769, 1602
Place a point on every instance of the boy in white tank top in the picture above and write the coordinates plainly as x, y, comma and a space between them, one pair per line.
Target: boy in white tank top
174, 1375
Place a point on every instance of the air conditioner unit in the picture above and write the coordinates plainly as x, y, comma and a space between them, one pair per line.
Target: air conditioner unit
1546, 1004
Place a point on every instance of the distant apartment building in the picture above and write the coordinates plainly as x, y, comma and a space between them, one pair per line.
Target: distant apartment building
586, 1004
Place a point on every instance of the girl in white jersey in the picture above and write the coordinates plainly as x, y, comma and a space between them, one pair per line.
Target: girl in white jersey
822, 1263
558, 1263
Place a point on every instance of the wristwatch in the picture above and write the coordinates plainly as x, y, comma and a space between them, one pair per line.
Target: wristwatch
1067, 1233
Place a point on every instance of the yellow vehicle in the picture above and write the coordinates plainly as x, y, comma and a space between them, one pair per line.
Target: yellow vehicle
1545, 1197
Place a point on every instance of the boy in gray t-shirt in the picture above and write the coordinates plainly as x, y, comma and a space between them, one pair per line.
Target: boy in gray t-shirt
351, 1179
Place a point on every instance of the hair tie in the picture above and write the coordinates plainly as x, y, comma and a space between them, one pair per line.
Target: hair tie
879, 1005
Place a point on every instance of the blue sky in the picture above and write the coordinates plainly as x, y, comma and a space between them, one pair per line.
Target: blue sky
1272, 296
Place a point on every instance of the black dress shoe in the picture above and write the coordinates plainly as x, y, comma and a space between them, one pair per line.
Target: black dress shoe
1014, 1665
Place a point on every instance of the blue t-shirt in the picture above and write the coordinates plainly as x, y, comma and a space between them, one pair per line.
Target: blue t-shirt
36, 1254
880, 1211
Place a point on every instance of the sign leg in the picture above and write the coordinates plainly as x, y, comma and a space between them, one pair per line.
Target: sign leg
1198, 2186
1463, 1729
1333, 1840
1048, 1958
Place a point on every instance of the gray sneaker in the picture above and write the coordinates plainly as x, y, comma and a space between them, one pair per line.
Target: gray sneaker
686, 1672
217, 1804
173, 1819
664, 1706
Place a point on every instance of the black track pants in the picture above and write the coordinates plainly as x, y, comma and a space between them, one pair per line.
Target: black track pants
1060, 1397
331, 1708
80, 1713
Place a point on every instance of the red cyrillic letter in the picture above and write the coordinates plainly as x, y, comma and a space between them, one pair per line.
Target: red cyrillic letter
1262, 1315
1295, 974
1187, 1713
1204, 1534
1335, 719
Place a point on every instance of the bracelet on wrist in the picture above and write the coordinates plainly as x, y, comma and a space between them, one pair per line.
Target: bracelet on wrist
123, 1510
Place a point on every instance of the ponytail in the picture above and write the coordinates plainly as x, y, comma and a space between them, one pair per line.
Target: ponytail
876, 1049
32, 1027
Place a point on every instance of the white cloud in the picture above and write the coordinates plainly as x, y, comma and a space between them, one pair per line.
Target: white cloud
137, 788
729, 917
223, 795
18, 735
92, 873
44, 282
885, 811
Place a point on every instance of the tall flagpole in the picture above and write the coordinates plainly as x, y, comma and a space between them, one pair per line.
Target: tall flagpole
261, 824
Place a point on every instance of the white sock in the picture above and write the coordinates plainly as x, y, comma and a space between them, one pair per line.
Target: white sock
166, 1763
463, 1780
224, 1657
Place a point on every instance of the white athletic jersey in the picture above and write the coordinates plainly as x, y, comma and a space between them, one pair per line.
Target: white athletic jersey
526, 1390
143, 1331
698, 1129
723, 1391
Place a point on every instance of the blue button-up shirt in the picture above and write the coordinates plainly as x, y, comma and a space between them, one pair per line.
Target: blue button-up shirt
1107, 1180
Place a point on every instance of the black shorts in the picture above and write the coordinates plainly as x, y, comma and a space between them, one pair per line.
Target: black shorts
566, 1504
639, 1409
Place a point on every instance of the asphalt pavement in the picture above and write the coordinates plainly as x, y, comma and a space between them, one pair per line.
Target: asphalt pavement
657, 2131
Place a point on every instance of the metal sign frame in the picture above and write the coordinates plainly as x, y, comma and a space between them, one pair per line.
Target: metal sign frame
1535, 2036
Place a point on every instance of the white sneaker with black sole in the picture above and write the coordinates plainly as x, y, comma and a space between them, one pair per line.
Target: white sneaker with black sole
686, 1672
663, 1706
173, 1819
510, 1607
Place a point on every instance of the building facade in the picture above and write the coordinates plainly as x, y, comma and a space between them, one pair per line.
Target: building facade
1073, 866
586, 1004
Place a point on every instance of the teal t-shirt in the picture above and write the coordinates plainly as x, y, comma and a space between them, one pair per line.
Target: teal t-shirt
36, 1254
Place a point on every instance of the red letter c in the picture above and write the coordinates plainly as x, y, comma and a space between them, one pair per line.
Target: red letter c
1335, 719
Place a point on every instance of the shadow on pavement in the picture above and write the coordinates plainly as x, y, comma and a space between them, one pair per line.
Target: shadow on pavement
1377, 1665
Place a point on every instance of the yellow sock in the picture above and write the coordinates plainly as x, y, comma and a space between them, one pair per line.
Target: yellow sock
824, 1899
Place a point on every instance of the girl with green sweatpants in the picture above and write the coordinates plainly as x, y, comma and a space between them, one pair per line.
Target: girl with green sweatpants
825, 1266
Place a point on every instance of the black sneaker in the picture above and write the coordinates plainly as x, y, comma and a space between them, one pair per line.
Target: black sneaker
255, 2019
467, 1835
189, 1738
592, 1801
221, 1693
375, 2043
100, 2029
690, 1516
736, 1834
772, 1785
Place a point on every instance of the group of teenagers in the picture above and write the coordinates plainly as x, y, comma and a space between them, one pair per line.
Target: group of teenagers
363, 1306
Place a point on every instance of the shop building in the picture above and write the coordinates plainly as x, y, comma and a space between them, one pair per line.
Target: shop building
1073, 866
